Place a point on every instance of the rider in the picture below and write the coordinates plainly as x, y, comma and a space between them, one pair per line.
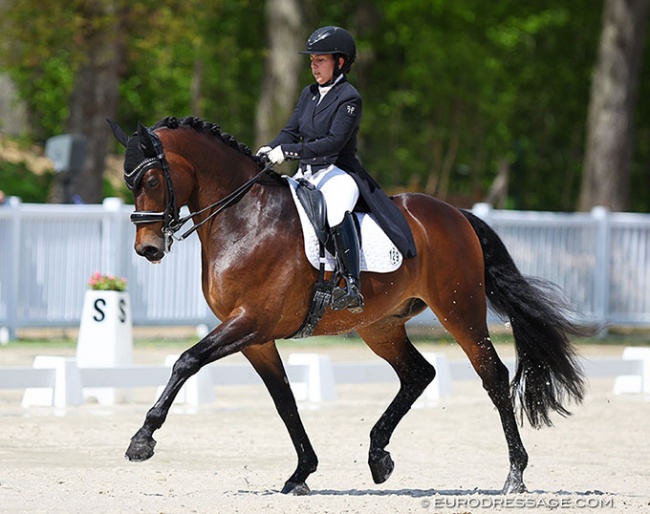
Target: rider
322, 133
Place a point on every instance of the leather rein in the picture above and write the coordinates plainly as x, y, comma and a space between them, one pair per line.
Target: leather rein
170, 217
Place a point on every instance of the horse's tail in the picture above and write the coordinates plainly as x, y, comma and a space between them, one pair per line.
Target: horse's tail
548, 373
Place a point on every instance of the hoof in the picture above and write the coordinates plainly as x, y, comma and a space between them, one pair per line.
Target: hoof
140, 449
514, 486
381, 465
295, 489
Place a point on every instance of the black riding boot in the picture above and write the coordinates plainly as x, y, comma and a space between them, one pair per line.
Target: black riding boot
346, 242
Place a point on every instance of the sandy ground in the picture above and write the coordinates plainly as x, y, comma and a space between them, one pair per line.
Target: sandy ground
234, 455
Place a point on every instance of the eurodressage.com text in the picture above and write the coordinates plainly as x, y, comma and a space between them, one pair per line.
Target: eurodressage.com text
519, 503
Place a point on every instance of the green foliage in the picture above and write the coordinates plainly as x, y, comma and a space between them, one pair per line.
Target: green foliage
39, 54
19, 180
452, 89
481, 82
110, 191
213, 47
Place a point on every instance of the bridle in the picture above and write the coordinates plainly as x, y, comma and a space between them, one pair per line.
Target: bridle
170, 217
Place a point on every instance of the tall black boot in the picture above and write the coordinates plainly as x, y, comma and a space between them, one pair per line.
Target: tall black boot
346, 242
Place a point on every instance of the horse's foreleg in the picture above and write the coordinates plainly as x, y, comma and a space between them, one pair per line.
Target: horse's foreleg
266, 361
389, 341
226, 339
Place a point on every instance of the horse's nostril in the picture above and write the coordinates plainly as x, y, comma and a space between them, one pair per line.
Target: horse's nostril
151, 252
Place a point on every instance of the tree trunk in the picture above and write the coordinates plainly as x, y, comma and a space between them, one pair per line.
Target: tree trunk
95, 95
282, 68
13, 111
439, 178
609, 139
195, 92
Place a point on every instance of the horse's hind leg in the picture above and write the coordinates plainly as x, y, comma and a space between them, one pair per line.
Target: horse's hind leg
470, 331
388, 339
266, 361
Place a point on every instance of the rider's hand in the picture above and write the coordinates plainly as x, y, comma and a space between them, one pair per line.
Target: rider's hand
276, 156
264, 150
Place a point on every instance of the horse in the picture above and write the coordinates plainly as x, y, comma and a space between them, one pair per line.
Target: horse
258, 282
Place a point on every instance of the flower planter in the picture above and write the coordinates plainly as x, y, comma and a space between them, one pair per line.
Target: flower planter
105, 339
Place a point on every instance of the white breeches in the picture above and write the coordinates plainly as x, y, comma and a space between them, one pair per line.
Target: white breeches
339, 190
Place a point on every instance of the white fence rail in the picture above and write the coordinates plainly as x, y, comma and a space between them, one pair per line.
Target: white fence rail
58, 382
48, 252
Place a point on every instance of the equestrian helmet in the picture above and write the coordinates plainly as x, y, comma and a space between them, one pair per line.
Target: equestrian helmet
333, 40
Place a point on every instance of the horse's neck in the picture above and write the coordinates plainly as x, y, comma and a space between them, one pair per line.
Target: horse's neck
219, 175
219, 172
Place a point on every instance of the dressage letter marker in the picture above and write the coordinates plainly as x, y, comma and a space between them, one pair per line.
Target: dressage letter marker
105, 339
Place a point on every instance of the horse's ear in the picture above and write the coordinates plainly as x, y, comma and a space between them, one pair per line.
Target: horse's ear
146, 143
119, 134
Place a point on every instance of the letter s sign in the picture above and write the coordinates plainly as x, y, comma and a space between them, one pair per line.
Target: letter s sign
122, 314
99, 315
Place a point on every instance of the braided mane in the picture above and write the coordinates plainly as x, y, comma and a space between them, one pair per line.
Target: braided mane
199, 125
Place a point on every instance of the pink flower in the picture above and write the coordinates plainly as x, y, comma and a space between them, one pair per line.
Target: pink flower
99, 282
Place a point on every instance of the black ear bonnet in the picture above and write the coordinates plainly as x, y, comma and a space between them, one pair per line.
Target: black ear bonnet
140, 156
143, 152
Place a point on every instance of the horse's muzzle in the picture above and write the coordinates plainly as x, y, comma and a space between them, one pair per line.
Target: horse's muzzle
151, 252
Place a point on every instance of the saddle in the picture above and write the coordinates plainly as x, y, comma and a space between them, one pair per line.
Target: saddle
379, 255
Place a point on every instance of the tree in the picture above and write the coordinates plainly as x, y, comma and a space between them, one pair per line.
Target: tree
66, 58
455, 93
610, 129
37, 52
95, 94
282, 66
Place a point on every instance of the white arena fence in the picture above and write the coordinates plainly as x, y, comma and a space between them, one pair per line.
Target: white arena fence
59, 382
48, 252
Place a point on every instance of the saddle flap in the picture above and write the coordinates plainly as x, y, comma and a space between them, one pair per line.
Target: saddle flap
313, 202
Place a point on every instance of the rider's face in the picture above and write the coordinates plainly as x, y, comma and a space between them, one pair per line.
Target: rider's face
322, 67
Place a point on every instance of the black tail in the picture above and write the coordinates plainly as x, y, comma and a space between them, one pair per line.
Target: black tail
548, 373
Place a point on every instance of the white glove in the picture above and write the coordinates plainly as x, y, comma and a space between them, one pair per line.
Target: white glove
276, 156
263, 150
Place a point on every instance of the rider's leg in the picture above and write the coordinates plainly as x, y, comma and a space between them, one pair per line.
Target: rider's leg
341, 195
346, 242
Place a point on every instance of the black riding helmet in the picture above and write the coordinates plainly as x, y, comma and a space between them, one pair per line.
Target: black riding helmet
333, 40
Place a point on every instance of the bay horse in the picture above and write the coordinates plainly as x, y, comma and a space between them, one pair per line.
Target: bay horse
258, 282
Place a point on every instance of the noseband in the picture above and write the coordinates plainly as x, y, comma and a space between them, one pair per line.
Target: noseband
170, 217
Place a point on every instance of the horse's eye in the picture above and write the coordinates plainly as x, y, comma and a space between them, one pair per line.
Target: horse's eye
152, 182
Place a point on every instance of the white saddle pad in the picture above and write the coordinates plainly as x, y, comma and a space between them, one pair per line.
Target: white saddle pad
378, 253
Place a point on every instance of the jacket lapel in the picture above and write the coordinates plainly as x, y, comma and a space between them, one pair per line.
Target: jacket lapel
327, 100
330, 97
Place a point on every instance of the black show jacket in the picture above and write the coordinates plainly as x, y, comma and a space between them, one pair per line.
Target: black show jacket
325, 133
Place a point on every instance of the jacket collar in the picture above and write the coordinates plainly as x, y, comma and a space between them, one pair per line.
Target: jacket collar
329, 98
314, 86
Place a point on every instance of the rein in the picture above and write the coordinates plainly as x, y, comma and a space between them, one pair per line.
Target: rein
222, 204
170, 217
